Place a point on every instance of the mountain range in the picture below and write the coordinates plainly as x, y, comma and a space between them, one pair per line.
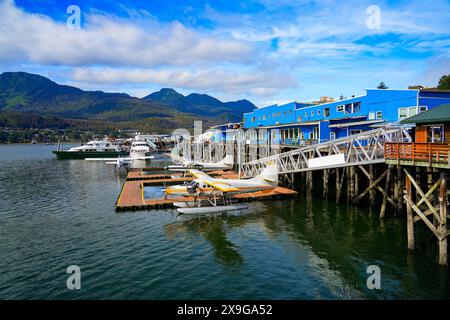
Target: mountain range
23, 93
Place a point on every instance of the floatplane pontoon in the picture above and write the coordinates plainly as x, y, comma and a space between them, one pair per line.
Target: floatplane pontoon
208, 194
225, 164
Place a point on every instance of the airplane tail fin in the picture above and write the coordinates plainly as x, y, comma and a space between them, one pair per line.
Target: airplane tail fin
228, 160
269, 174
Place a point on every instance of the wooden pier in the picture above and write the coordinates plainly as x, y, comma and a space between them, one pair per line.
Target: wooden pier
132, 197
173, 177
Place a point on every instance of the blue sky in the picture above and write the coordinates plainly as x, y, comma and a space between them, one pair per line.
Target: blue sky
264, 50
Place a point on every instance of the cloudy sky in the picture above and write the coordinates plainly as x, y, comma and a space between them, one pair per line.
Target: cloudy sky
267, 51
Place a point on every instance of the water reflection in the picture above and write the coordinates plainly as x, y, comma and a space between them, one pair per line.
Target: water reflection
214, 229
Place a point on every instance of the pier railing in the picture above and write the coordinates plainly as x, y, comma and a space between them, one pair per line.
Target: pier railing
431, 153
359, 149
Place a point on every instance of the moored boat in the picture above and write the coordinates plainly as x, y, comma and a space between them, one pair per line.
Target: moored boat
93, 149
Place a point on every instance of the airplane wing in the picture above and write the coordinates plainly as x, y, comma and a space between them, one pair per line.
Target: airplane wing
220, 186
199, 174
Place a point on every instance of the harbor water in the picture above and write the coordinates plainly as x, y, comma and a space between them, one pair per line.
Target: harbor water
54, 214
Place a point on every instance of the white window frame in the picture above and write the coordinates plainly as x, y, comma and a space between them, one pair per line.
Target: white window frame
423, 109
332, 135
379, 115
410, 111
340, 108
372, 115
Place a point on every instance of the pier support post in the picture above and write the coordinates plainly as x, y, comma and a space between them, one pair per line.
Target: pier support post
409, 215
326, 176
372, 191
399, 190
309, 178
338, 186
386, 191
442, 229
352, 183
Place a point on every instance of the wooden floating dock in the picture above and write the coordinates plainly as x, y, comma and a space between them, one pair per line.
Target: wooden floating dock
173, 178
132, 198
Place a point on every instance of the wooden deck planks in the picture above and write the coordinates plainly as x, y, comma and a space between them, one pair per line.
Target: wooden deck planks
132, 194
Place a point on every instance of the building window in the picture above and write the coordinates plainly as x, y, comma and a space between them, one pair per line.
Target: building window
436, 134
264, 117
371, 115
402, 113
423, 109
306, 114
302, 136
253, 119
326, 111
352, 132
340, 108
379, 115
299, 118
353, 107
318, 112
406, 112
285, 113
279, 114
349, 108
315, 133
332, 135
312, 113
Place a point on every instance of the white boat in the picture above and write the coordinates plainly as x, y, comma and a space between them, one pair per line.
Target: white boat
96, 146
93, 149
140, 149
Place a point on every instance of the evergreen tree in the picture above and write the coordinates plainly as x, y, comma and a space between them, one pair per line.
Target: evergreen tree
382, 85
444, 82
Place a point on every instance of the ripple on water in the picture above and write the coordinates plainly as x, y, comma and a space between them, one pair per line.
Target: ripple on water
57, 213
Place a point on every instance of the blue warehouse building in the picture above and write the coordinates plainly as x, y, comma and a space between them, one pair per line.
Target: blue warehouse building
296, 123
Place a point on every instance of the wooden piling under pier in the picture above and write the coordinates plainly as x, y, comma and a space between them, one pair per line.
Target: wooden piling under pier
132, 197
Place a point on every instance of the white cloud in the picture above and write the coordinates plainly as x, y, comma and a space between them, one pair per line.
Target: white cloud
107, 40
259, 83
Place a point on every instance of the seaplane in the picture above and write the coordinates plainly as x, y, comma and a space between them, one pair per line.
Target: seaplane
207, 194
139, 150
225, 164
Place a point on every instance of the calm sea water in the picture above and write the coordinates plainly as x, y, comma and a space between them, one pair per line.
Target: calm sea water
59, 213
